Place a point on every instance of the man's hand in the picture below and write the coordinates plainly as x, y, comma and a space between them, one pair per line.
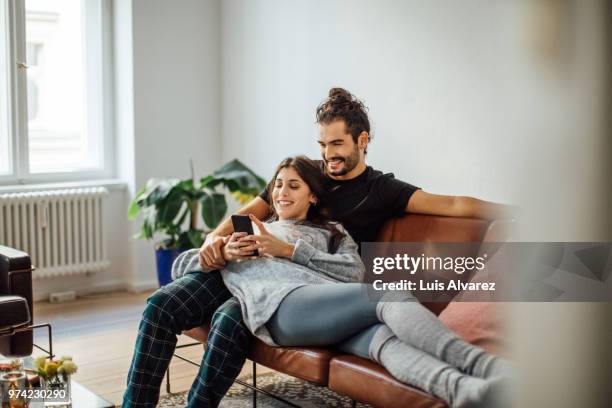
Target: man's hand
211, 252
268, 244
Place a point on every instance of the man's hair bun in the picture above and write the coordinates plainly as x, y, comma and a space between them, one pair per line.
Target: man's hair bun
339, 93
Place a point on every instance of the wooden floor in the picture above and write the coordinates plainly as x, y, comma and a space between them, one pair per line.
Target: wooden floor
99, 332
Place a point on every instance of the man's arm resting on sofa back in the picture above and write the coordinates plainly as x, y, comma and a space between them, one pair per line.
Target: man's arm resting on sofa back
422, 202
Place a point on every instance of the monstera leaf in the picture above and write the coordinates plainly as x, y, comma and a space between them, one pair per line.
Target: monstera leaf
154, 191
236, 177
214, 207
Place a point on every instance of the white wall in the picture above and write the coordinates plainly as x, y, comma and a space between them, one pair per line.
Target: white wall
447, 83
176, 97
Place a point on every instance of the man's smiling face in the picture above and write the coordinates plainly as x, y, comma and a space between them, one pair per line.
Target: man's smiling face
338, 150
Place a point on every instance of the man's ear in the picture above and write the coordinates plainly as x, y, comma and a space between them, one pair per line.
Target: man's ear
363, 140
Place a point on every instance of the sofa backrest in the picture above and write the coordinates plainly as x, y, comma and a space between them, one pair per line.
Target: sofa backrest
431, 228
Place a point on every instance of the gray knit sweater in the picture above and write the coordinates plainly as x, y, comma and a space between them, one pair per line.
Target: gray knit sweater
261, 284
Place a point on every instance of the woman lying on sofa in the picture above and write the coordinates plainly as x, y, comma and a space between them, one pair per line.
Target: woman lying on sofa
304, 290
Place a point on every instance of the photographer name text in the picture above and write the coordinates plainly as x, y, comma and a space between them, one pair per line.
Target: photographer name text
436, 285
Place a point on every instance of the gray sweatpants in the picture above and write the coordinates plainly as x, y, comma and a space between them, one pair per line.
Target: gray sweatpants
395, 331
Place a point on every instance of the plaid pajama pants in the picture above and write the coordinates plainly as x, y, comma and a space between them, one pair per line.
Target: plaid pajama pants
190, 301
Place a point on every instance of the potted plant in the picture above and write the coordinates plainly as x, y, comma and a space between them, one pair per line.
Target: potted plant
173, 207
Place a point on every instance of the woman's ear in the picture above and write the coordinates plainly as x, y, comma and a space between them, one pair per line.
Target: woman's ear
313, 199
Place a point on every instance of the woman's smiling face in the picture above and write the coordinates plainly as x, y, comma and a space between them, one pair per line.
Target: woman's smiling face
291, 195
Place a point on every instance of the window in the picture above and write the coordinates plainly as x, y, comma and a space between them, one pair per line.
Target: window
54, 69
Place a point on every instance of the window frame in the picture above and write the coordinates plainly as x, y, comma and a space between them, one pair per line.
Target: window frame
98, 37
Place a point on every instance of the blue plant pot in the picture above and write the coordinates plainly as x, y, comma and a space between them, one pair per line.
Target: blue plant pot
164, 259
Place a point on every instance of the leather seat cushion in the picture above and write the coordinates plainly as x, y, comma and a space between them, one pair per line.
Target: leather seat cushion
307, 363
368, 382
198, 333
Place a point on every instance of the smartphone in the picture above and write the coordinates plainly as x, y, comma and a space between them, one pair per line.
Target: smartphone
242, 223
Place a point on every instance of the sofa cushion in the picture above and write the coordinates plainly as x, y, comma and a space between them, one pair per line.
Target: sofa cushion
308, 363
368, 382
479, 323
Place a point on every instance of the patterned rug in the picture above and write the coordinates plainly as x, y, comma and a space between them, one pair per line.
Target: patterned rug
300, 392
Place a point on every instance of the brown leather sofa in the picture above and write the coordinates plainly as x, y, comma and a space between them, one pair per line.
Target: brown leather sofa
358, 378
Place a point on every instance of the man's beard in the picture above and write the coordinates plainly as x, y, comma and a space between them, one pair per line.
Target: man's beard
350, 163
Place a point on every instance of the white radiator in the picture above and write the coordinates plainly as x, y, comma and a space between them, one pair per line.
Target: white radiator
62, 230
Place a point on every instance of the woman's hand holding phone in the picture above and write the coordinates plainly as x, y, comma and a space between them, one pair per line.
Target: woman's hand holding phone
268, 244
247, 245
238, 249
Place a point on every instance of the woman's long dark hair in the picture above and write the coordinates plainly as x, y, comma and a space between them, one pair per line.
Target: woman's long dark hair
317, 215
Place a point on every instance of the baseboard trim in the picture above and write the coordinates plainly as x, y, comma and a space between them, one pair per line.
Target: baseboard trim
101, 287
138, 287
108, 286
